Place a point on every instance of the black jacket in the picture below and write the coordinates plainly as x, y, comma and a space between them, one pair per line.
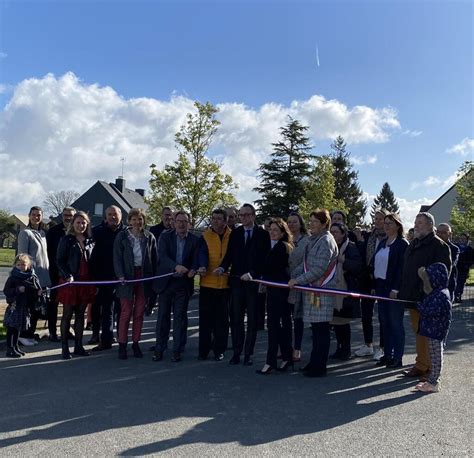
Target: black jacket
157, 230
69, 255
102, 258
167, 258
244, 257
395, 262
53, 236
421, 253
275, 267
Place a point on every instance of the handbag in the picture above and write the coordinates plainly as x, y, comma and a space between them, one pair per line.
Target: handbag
12, 318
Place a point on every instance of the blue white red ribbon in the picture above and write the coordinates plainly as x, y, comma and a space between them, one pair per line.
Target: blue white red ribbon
330, 291
109, 282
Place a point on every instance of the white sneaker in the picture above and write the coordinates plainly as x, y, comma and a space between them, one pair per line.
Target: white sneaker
378, 354
365, 350
27, 342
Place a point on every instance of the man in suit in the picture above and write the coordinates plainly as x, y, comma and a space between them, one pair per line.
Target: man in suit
177, 251
53, 236
102, 268
165, 225
248, 248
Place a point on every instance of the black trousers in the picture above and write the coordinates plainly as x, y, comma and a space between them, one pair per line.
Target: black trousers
279, 326
12, 338
175, 298
367, 312
213, 320
261, 301
321, 343
244, 300
103, 313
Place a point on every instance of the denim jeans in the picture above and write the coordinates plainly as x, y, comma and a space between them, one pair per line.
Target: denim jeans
391, 319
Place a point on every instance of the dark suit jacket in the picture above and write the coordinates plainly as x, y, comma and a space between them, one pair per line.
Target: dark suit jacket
167, 257
395, 261
421, 252
243, 258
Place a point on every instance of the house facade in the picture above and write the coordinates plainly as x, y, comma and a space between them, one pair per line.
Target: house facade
102, 195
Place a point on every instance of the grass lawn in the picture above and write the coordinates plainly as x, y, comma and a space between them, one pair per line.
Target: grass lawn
470, 279
7, 255
3, 332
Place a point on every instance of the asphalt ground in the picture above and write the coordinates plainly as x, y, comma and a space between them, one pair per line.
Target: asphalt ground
101, 406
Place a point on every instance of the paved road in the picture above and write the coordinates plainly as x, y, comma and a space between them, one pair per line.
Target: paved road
102, 406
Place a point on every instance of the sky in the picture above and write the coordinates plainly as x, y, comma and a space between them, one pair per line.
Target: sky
86, 83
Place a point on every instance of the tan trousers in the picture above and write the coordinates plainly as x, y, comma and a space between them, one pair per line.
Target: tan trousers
422, 361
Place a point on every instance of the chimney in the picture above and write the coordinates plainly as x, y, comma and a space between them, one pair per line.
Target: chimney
140, 191
120, 184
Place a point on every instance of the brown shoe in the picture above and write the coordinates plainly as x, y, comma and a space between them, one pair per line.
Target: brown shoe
414, 372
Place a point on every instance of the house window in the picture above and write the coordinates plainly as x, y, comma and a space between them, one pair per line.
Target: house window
98, 209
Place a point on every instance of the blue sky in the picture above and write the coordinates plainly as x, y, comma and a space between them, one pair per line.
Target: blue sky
413, 58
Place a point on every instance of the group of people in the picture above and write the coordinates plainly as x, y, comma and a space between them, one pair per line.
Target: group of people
237, 265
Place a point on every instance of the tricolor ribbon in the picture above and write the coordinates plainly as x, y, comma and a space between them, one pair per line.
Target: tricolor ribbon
108, 282
331, 292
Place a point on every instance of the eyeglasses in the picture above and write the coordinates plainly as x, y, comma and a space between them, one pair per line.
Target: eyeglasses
181, 221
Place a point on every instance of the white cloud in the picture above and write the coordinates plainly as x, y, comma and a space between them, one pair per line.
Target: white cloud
3, 55
61, 133
408, 208
368, 159
412, 133
432, 181
464, 148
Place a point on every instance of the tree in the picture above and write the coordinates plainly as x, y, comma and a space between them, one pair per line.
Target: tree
193, 182
320, 189
7, 225
462, 215
283, 177
347, 187
55, 202
385, 199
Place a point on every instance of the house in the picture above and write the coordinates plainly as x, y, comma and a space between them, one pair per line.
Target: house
102, 195
442, 207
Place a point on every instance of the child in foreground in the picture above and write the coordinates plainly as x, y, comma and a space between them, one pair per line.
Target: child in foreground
435, 318
21, 290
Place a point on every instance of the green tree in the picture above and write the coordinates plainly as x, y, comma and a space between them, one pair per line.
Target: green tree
385, 199
283, 177
193, 182
320, 189
462, 215
347, 186
6, 225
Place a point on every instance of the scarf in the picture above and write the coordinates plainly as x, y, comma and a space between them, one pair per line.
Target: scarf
340, 280
371, 244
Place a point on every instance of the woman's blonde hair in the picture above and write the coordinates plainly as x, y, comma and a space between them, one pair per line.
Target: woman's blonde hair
70, 229
136, 212
23, 257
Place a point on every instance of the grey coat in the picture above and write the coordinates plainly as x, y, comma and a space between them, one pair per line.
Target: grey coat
295, 263
124, 265
320, 252
33, 242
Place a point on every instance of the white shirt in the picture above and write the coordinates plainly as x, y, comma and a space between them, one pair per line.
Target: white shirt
137, 251
381, 263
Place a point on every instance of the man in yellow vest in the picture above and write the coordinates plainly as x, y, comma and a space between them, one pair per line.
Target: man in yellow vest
214, 291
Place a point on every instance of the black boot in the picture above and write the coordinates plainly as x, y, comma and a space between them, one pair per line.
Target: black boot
11, 353
122, 351
79, 350
136, 350
65, 351
17, 350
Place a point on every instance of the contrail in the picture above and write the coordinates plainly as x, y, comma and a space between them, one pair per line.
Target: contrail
317, 56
